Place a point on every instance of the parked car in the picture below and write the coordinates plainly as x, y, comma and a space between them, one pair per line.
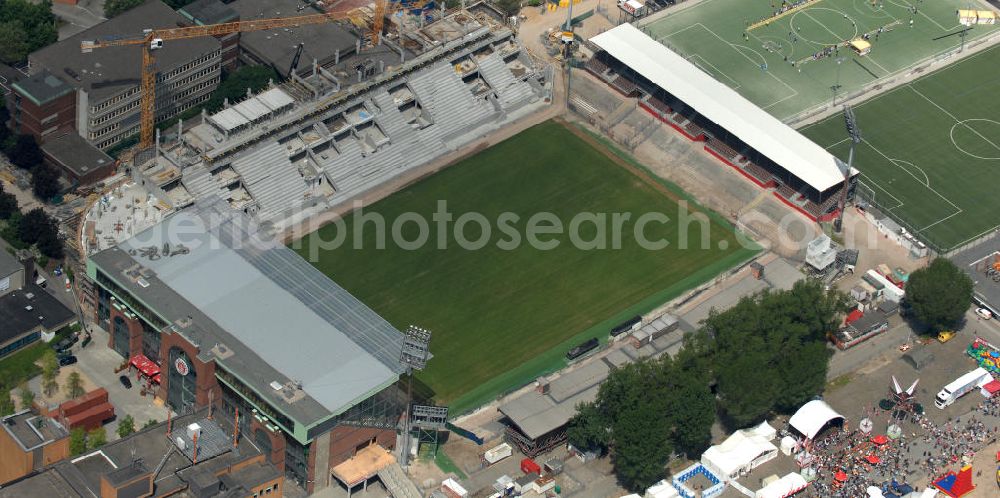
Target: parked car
67, 360
945, 336
984, 313
126, 382
65, 344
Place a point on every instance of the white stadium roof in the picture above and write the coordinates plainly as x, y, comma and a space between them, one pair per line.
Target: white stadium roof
723, 106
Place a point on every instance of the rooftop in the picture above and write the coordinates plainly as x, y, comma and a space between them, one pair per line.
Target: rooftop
108, 71
723, 106
31, 430
208, 12
537, 414
75, 154
9, 264
229, 286
277, 46
29, 308
42, 87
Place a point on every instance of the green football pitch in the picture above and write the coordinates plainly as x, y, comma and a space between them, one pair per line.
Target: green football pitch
929, 148
502, 316
759, 67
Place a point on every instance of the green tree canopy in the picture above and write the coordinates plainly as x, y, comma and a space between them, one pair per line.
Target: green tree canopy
74, 385
126, 426
77, 441
26, 395
8, 203
939, 294
33, 225
114, 8
97, 438
26, 153
25, 26
234, 85
45, 181
149, 423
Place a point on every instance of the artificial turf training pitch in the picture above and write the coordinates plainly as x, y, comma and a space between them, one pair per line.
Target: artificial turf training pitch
711, 34
501, 317
929, 150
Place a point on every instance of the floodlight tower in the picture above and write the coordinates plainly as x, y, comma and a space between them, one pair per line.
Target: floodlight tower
413, 355
855, 133
567, 42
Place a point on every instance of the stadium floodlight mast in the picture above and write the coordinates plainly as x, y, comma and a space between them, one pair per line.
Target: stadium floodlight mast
413, 355
855, 133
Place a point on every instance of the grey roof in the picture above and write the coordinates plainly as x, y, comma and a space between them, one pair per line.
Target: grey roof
75, 154
208, 12
277, 47
9, 264
537, 414
31, 430
283, 320
778, 275
46, 312
109, 71
42, 87
272, 180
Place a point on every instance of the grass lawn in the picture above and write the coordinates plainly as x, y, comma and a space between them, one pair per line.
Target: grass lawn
502, 316
930, 150
712, 35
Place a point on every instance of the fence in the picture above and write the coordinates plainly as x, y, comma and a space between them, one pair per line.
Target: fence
867, 194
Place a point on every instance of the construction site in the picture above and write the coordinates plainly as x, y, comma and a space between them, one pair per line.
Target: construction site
335, 131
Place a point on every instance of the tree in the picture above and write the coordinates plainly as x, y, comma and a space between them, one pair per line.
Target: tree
149, 423
45, 181
77, 441
509, 7
26, 395
97, 438
33, 21
50, 246
33, 224
13, 42
50, 369
112, 8
642, 448
74, 385
126, 426
26, 153
6, 404
8, 202
234, 85
939, 294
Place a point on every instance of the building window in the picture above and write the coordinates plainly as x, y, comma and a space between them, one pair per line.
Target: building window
103, 307
150, 342
121, 337
263, 442
20, 343
181, 388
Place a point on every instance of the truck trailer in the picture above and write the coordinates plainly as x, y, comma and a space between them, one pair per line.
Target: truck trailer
960, 386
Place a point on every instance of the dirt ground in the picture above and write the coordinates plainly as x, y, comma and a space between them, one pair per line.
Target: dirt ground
986, 462
58, 396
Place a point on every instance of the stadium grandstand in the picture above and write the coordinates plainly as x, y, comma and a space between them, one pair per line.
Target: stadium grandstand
762, 148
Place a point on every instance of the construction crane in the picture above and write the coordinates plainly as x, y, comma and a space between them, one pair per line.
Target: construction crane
153, 39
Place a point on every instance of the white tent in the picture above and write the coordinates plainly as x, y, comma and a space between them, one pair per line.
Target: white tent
763, 430
926, 493
812, 417
787, 445
738, 455
874, 492
662, 489
784, 487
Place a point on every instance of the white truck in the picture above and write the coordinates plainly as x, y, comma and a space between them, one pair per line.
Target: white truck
960, 386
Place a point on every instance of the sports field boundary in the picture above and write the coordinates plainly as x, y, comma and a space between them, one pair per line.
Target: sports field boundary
871, 185
554, 359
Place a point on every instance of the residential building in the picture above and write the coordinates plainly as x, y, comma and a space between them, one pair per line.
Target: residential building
27, 312
41, 105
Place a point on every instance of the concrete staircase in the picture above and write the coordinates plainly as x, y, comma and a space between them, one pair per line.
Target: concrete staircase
396, 482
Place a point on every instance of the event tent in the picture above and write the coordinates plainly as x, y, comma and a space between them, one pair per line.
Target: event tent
662, 489
812, 417
738, 454
786, 486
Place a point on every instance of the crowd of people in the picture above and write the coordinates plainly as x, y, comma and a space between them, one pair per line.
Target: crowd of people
845, 467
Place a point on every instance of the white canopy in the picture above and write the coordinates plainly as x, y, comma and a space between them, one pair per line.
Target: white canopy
786, 486
812, 417
738, 453
763, 430
874, 492
662, 489
723, 106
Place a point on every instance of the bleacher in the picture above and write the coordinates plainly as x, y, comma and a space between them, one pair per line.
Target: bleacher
625, 85
659, 105
596, 67
759, 173
723, 149
693, 129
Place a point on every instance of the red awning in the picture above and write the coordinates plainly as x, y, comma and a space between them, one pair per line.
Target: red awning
144, 365
873, 459
854, 316
840, 476
156, 379
880, 440
992, 387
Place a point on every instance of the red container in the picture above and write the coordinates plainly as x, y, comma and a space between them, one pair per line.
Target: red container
529, 466
92, 418
84, 403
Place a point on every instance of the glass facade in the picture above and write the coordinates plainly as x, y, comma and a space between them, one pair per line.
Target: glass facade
150, 342
263, 442
181, 389
121, 337
20, 343
130, 301
296, 461
103, 307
